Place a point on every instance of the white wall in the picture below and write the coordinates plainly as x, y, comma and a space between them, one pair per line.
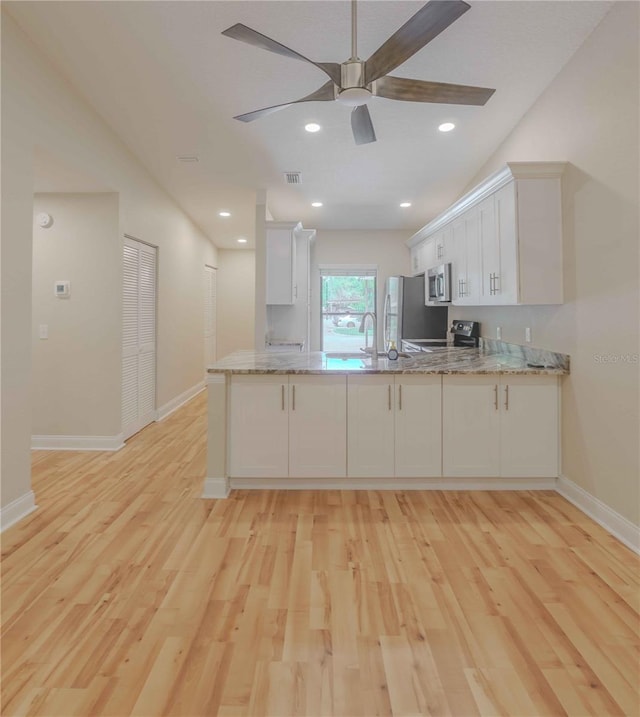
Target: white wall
41, 109
589, 117
386, 249
76, 368
236, 300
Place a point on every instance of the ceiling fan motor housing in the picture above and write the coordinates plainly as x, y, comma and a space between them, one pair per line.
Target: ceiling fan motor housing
353, 91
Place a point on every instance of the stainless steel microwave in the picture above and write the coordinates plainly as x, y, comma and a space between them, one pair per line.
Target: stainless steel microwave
438, 285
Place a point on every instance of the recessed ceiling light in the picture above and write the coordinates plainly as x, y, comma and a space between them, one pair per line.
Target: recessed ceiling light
224, 214
404, 205
312, 127
242, 240
316, 204
446, 127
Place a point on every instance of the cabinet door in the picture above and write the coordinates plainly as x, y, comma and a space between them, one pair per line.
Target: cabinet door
281, 263
506, 285
429, 257
529, 426
370, 426
444, 245
474, 270
489, 251
258, 427
418, 426
459, 260
317, 426
470, 426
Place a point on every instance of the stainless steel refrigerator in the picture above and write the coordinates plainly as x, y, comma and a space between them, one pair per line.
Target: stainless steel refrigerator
405, 315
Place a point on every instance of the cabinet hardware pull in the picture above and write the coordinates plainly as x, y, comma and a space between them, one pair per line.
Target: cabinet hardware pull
283, 396
495, 392
506, 397
389, 395
293, 399
400, 397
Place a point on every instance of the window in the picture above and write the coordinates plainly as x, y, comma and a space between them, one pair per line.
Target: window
347, 293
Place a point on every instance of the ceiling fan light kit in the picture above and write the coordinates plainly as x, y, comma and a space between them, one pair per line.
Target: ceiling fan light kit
355, 81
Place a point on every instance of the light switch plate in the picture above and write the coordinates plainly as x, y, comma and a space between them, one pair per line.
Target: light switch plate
44, 331
499, 333
527, 335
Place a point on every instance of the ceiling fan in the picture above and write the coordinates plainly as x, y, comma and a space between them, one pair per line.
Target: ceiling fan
355, 81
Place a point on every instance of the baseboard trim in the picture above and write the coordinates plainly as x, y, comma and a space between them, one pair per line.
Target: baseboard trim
216, 488
394, 483
17, 510
621, 528
77, 443
175, 403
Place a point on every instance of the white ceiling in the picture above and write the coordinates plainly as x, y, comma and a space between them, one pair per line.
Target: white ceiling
168, 83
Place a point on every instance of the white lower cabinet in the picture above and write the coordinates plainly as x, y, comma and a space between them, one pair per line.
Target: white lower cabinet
282, 426
529, 426
317, 426
381, 426
370, 426
500, 426
259, 426
394, 426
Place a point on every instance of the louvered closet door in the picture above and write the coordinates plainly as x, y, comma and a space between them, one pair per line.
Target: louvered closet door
209, 316
138, 336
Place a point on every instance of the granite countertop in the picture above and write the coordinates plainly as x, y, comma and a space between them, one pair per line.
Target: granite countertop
445, 360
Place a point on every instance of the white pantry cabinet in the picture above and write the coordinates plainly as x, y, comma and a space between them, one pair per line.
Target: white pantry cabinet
500, 426
394, 426
282, 426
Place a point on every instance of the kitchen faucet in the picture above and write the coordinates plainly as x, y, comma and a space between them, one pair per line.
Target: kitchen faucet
374, 348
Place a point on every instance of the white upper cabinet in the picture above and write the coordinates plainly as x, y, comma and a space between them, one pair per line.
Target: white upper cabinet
504, 238
443, 246
281, 262
466, 273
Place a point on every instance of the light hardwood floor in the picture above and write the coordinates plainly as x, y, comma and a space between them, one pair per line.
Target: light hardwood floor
127, 594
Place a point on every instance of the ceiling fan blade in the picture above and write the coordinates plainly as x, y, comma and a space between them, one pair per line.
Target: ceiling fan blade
323, 94
362, 126
426, 24
257, 39
401, 88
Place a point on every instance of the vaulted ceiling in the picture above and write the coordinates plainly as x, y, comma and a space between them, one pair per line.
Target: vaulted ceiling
168, 83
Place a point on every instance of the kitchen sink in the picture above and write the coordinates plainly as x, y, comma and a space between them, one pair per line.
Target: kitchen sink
345, 355
346, 362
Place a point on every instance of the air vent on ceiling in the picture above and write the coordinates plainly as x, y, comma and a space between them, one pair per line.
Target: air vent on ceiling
292, 178
188, 158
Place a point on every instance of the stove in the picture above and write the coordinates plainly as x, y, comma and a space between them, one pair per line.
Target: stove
466, 334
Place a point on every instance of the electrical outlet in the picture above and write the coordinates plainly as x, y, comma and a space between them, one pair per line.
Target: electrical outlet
499, 333
44, 331
527, 335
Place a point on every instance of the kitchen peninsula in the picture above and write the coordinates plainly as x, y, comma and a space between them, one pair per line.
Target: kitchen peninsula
448, 419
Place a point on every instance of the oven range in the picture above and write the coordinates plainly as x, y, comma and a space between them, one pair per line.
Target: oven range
465, 334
